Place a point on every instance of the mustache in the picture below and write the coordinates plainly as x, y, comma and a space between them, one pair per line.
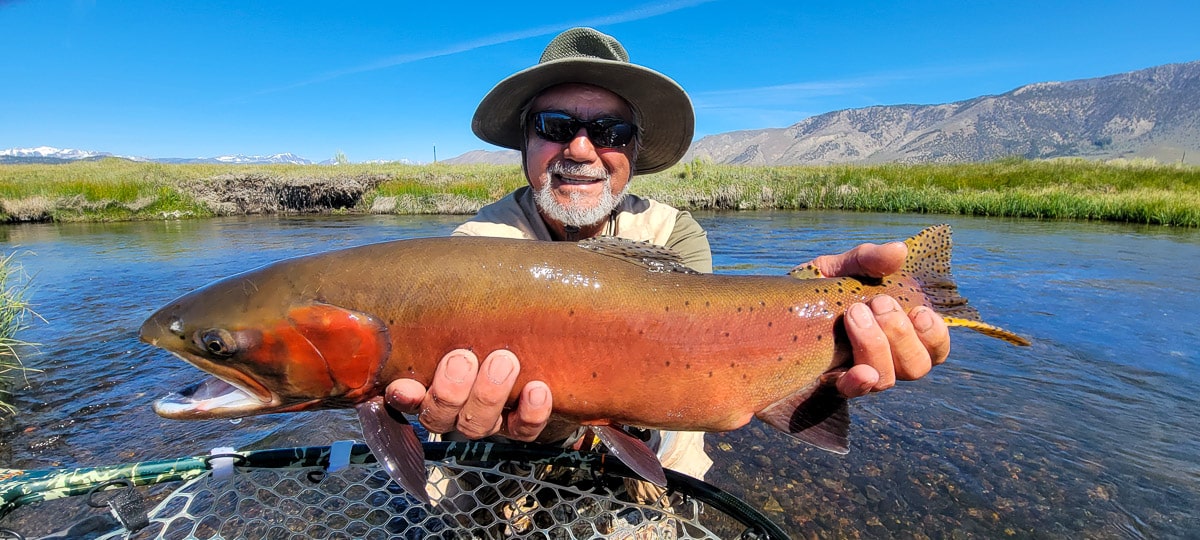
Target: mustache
572, 168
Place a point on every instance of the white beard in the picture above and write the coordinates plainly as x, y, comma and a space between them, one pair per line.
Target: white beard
574, 213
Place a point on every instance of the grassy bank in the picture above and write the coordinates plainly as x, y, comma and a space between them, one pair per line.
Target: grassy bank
1138, 192
14, 310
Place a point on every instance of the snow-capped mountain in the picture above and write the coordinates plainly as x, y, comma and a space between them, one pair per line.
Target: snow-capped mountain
242, 159
50, 154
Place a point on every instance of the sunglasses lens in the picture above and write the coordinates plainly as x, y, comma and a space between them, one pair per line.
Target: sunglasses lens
611, 136
555, 127
560, 128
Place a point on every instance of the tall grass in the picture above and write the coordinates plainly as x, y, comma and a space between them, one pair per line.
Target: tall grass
14, 312
1128, 191
1136, 192
443, 189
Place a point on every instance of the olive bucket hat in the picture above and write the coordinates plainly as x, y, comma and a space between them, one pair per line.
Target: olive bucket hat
586, 56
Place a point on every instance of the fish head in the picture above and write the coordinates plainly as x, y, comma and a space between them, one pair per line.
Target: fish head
268, 349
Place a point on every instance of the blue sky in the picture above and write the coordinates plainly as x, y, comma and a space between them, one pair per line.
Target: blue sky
392, 80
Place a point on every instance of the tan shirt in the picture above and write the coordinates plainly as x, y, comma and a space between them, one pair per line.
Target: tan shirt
643, 220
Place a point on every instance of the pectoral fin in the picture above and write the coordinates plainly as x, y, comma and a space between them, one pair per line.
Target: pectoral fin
817, 415
633, 453
395, 445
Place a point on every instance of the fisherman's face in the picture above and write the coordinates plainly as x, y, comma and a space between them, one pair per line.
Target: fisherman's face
578, 183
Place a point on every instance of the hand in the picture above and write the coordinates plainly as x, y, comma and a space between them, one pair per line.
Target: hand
469, 398
888, 343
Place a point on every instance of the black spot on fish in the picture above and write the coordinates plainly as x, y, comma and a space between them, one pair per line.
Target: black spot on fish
818, 337
770, 324
667, 363
687, 366
594, 375
739, 309
795, 338
687, 302
667, 308
706, 303
779, 358
571, 313
726, 334
710, 374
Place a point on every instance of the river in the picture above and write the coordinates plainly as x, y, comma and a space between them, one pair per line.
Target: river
1090, 432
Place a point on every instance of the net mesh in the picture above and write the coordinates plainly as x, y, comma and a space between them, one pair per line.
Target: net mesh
470, 501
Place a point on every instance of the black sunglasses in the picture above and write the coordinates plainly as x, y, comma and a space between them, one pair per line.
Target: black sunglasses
561, 127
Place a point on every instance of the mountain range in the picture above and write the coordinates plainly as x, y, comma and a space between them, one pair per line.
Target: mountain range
1149, 113
50, 154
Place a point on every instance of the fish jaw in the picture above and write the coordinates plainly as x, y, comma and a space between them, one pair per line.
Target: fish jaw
230, 395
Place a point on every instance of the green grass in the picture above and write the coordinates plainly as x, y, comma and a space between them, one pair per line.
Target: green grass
14, 313
1056, 189
1126, 191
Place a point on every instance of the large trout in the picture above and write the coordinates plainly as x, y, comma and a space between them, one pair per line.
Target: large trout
622, 333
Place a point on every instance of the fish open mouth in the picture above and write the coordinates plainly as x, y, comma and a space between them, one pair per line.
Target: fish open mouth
210, 398
216, 397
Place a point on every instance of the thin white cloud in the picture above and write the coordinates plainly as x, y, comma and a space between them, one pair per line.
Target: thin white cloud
798, 93
636, 14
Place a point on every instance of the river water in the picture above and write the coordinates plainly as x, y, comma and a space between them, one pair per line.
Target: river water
1091, 432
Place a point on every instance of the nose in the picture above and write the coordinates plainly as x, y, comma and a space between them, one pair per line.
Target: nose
580, 148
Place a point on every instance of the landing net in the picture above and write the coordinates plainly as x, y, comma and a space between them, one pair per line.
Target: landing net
479, 491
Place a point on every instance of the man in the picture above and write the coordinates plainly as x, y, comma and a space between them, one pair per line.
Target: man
586, 121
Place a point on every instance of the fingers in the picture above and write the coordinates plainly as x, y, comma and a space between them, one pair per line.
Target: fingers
405, 395
870, 345
469, 397
532, 414
448, 392
896, 345
858, 381
933, 333
481, 413
869, 260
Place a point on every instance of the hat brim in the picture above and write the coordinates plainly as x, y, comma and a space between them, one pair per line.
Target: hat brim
663, 108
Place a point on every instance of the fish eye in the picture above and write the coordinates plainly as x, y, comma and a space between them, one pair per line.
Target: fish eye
218, 342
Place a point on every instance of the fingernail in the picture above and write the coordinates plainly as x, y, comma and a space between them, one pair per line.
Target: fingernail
457, 368
884, 304
861, 316
537, 396
499, 369
924, 319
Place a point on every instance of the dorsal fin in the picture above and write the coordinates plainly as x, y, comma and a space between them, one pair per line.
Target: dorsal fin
649, 256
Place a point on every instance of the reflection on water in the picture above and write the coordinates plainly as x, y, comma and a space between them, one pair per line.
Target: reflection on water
1090, 431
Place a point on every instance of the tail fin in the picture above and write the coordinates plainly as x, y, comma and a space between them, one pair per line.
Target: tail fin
929, 263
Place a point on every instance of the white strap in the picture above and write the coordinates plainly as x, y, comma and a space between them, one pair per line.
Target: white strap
339, 455
222, 467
